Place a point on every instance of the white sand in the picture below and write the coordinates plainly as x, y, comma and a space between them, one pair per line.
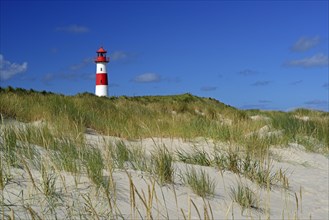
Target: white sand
307, 174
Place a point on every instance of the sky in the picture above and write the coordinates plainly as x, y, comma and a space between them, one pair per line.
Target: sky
269, 55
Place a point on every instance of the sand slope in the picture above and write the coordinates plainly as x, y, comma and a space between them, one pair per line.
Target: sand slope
77, 198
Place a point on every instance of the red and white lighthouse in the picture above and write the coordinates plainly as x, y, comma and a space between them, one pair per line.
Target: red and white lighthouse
101, 74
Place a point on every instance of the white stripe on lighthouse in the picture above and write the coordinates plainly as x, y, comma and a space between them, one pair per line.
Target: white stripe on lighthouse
101, 90
100, 68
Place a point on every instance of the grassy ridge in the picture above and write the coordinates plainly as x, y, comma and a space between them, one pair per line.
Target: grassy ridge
185, 116
118, 116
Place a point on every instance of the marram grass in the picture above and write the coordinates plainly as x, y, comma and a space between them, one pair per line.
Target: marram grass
200, 182
80, 159
185, 116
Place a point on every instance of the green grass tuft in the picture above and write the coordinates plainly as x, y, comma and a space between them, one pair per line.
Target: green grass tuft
200, 182
244, 196
94, 164
199, 157
162, 165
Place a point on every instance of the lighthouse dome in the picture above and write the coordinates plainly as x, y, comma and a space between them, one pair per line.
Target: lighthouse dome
101, 50
101, 56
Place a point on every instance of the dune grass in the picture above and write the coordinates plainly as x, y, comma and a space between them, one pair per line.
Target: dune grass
250, 166
121, 153
162, 165
200, 182
244, 196
184, 116
52, 142
200, 157
132, 117
94, 164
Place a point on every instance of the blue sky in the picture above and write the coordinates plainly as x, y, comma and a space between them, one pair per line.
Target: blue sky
248, 54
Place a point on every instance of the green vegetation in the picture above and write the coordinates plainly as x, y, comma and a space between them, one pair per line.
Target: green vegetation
185, 116
10, 147
200, 157
200, 182
162, 163
130, 117
121, 153
244, 196
256, 170
48, 184
94, 163
51, 147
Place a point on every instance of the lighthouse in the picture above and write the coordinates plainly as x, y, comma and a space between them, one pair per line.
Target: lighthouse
101, 74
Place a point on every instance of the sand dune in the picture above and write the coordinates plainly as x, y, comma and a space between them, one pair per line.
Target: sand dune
77, 197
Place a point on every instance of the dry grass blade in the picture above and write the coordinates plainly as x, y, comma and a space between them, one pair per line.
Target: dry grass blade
2, 175
29, 173
296, 198
34, 215
145, 203
165, 203
206, 206
132, 197
89, 206
182, 211
196, 208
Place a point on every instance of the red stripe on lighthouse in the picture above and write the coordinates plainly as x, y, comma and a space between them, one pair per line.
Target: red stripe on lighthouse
101, 79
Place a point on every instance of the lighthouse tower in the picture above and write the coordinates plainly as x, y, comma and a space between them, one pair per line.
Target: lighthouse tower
101, 74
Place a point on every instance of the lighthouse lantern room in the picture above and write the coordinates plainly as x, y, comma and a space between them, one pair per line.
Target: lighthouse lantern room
101, 74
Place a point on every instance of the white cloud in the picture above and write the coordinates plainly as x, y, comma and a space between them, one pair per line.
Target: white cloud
147, 78
82, 64
123, 57
317, 60
73, 29
48, 77
8, 69
89, 77
118, 55
306, 43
